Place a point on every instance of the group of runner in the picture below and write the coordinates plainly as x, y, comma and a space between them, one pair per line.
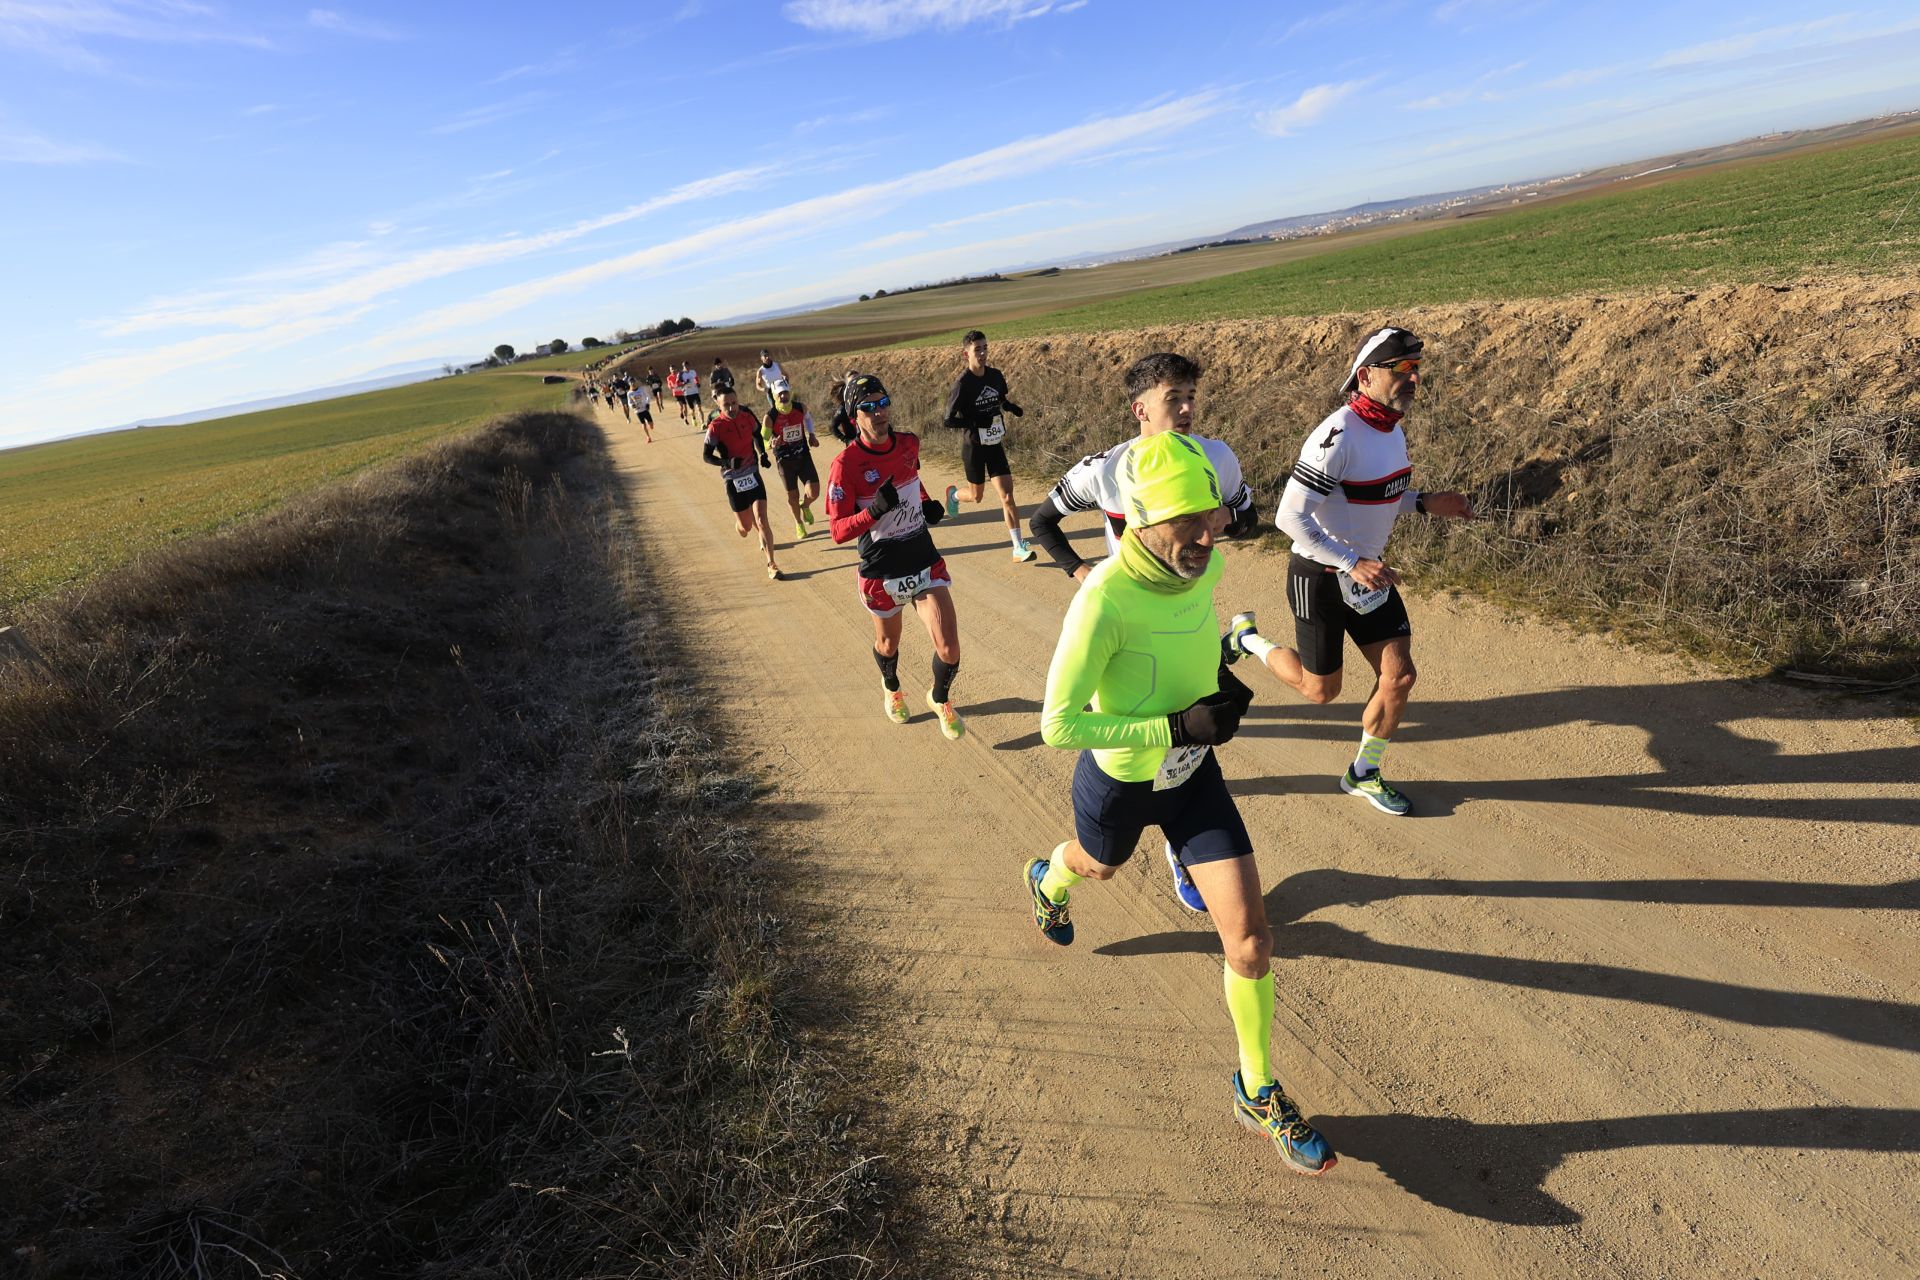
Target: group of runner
1140, 683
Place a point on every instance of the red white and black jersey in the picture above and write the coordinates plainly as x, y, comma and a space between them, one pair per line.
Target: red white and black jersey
1352, 482
790, 431
897, 543
735, 436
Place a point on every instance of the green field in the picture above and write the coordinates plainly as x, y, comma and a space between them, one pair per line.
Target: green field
1830, 209
74, 508
574, 359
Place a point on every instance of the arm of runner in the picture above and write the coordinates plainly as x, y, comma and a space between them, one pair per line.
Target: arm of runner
1043, 527
955, 418
711, 451
1242, 519
844, 515
1296, 520
813, 441
1088, 640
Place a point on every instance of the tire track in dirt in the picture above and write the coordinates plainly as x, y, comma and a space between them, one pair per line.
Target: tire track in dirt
1635, 997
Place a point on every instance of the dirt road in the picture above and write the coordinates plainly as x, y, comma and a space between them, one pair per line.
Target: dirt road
1633, 993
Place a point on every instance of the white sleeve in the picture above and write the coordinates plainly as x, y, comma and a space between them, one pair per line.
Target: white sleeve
1322, 463
1236, 494
1079, 489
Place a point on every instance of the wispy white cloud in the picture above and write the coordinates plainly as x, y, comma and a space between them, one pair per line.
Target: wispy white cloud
867, 116
23, 146
888, 19
351, 274
1308, 108
804, 217
1475, 90
1008, 211
64, 31
1739, 46
489, 113
566, 59
1338, 15
347, 24
261, 109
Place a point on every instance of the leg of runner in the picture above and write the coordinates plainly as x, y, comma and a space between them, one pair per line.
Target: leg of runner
1231, 887
1282, 661
886, 654
794, 505
943, 628
1003, 485
766, 536
1392, 663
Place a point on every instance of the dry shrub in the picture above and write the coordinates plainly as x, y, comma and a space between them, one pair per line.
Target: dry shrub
376, 905
1732, 472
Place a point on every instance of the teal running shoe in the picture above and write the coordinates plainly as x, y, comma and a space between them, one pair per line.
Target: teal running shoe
1051, 916
953, 499
1374, 790
1271, 1112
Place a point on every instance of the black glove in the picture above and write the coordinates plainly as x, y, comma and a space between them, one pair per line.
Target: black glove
1215, 718
885, 500
1013, 409
933, 509
765, 461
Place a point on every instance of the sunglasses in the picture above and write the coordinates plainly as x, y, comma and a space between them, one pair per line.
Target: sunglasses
1400, 366
868, 406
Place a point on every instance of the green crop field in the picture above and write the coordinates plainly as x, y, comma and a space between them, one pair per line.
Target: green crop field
1830, 211
74, 508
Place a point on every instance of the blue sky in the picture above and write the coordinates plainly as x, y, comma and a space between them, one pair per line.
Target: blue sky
205, 203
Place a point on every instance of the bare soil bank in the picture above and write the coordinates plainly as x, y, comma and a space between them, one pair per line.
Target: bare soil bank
1733, 471
372, 905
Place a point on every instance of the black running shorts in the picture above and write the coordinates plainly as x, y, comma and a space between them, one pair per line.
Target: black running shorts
1198, 817
797, 467
742, 499
1322, 621
982, 460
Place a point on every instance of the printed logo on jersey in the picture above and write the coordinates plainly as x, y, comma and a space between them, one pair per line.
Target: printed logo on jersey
873, 477
836, 494
1333, 433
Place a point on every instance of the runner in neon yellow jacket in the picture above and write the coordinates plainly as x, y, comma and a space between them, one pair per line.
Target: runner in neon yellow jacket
1141, 643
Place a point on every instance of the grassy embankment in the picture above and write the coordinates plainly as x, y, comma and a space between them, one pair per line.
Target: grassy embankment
72, 509
377, 904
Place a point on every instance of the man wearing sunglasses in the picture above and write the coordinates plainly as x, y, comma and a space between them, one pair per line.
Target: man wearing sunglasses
875, 494
1352, 482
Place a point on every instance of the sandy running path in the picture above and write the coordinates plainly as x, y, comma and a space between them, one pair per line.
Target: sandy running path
1634, 993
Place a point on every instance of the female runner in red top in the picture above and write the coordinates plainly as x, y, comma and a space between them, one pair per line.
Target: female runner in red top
874, 494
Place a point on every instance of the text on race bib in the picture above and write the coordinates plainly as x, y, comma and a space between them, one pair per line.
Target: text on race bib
746, 482
1361, 599
907, 589
994, 432
1178, 766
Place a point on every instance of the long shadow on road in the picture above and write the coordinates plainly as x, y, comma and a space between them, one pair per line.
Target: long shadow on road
1498, 1172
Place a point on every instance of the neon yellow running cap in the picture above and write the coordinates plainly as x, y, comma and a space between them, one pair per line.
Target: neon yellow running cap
1164, 476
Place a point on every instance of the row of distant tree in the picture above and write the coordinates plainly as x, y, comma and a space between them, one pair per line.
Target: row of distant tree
505, 354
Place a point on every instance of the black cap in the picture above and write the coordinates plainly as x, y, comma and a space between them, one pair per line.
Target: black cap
1384, 346
863, 386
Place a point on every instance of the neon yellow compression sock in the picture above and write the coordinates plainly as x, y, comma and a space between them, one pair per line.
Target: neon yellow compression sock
1059, 879
1372, 751
1250, 1001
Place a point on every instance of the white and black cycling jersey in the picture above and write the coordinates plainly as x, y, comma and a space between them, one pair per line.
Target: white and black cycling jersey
1093, 484
1352, 482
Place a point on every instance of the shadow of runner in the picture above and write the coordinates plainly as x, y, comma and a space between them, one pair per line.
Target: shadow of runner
1497, 1172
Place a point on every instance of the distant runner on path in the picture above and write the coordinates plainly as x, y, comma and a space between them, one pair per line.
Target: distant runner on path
1139, 645
1352, 482
690, 387
768, 373
732, 443
874, 493
1164, 394
977, 408
789, 433
640, 400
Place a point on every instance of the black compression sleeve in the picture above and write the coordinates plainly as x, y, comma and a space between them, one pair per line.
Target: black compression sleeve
1043, 527
889, 665
713, 453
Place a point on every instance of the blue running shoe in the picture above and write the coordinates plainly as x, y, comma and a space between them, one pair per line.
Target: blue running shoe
1051, 916
1183, 886
1273, 1113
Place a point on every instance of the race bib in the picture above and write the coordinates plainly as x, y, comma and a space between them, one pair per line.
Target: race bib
1362, 599
905, 590
792, 434
994, 432
747, 482
1178, 766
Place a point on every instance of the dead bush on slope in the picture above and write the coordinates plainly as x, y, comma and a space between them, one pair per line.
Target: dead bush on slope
1733, 472
373, 907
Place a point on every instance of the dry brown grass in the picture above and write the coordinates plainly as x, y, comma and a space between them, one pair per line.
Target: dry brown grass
1733, 473
376, 904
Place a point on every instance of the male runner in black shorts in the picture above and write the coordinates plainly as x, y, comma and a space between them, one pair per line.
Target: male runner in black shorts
789, 433
977, 408
733, 441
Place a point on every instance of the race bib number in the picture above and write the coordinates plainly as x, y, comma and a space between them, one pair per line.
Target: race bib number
746, 483
792, 434
1362, 599
994, 432
906, 590
1178, 766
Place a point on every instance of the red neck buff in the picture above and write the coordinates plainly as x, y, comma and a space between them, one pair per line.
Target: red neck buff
1373, 413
